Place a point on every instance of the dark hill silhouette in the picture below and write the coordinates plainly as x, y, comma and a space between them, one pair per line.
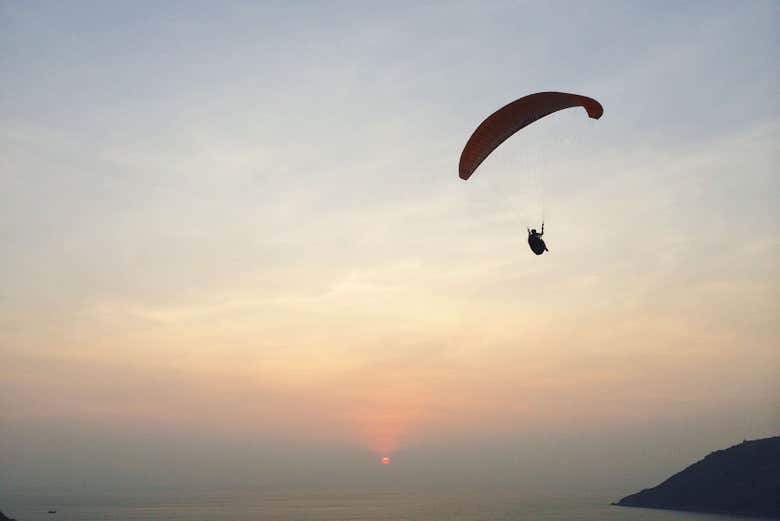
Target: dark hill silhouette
3, 517
743, 479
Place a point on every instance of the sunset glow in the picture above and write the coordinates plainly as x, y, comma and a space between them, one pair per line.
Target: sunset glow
236, 233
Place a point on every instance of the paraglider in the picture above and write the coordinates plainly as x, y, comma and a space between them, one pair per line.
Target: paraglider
506, 121
536, 242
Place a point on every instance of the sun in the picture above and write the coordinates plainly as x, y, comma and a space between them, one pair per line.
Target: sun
385, 460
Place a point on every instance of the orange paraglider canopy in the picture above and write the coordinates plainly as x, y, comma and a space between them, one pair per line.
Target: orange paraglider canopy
504, 122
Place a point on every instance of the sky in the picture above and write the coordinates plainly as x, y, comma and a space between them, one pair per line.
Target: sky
236, 253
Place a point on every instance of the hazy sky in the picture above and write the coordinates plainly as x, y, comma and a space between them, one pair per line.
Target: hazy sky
236, 251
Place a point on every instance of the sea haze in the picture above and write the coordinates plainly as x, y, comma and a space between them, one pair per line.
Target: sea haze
345, 505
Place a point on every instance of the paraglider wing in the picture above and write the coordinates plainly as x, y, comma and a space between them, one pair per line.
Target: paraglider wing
500, 125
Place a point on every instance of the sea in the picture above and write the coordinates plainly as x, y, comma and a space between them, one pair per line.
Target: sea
373, 505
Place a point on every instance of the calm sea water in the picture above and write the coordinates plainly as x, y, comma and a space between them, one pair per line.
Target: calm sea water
347, 506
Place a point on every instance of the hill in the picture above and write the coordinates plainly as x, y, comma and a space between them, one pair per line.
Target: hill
743, 479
